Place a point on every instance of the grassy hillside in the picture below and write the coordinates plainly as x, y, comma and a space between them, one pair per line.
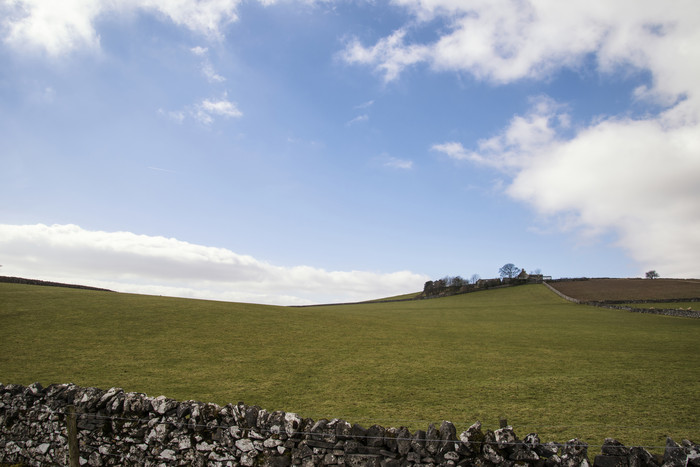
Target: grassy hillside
560, 369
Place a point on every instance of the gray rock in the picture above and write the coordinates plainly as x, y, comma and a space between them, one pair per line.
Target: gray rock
43, 448
471, 440
275, 422
603, 460
358, 433
390, 439
247, 461
404, 441
167, 454
505, 438
342, 429
640, 457
272, 443
612, 447
549, 449
575, 449
418, 442
432, 439
674, 454
292, 423
245, 445
204, 447
490, 449
375, 436
162, 404
184, 443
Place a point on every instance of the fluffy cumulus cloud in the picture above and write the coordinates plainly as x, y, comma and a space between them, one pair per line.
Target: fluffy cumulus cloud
128, 262
506, 40
637, 177
69, 25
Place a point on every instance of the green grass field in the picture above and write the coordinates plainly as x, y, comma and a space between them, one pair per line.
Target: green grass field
549, 366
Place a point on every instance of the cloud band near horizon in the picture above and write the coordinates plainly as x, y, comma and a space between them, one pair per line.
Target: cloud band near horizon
155, 265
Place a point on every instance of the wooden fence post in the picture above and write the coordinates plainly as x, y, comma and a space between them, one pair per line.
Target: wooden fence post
73, 451
503, 422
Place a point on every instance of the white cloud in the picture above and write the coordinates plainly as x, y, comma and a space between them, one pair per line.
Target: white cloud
456, 151
389, 55
522, 139
60, 27
206, 110
211, 74
207, 68
128, 262
396, 163
199, 51
365, 105
358, 119
506, 40
177, 116
636, 177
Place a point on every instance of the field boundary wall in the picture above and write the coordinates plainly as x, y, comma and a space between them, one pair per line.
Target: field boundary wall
616, 305
114, 427
22, 280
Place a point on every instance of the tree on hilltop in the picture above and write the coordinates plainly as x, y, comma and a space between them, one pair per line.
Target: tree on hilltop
457, 281
652, 274
509, 270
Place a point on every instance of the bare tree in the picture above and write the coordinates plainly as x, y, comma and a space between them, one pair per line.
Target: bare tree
509, 270
474, 279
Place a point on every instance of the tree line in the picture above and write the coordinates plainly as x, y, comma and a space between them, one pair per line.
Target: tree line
450, 285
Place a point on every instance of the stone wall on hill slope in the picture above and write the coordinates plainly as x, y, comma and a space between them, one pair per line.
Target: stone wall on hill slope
119, 428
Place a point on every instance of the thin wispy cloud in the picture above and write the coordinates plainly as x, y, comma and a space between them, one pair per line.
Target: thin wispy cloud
358, 119
205, 111
365, 105
177, 116
159, 169
211, 75
206, 67
396, 163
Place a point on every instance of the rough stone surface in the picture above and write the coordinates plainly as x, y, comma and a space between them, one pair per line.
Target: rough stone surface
118, 428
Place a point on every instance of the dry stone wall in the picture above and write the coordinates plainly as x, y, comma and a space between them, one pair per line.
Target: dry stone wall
119, 428
616, 305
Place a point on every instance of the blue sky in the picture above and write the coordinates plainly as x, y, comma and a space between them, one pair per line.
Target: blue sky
316, 151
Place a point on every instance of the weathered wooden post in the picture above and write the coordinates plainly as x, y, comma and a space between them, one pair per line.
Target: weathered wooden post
503, 422
73, 451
